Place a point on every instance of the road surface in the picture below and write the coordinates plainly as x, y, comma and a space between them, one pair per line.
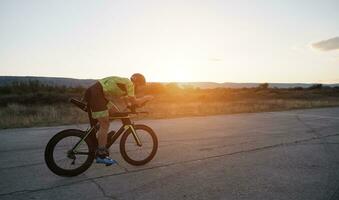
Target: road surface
275, 155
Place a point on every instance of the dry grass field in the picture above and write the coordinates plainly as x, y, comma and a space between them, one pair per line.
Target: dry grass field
34, 104
16, 115
170, 110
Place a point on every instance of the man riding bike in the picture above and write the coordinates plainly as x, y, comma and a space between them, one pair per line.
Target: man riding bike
99, 97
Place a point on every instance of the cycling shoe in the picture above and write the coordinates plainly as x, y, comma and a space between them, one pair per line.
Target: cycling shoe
105, 160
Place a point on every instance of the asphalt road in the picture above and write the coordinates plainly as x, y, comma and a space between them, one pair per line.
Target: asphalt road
276, 155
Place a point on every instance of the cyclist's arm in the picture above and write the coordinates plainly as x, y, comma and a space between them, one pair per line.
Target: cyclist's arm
132, 100
112, 108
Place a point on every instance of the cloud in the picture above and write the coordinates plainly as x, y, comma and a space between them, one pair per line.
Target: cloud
327, 45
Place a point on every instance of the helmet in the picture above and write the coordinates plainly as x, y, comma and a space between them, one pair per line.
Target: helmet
138, 79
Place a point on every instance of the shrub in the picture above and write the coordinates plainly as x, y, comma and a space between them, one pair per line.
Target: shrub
315, 87
263, 86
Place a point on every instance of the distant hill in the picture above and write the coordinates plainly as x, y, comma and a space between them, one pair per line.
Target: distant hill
71, 82
68, 82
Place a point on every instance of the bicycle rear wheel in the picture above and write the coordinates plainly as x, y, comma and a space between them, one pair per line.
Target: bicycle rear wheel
59, 156
139, 155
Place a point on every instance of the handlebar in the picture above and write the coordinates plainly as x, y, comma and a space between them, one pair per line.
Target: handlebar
133, 107
133, 110
125, 114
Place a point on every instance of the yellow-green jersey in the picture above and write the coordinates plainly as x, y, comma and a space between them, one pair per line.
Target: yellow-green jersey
115, 86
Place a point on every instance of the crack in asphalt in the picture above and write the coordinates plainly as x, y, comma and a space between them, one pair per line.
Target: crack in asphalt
171, 164
43, 189
329, 151
124, 168
321, 143
102, 190
212, 147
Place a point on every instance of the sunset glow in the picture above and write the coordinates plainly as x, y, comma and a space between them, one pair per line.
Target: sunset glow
220, 41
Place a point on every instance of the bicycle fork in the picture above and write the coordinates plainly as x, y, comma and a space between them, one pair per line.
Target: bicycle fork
134, 133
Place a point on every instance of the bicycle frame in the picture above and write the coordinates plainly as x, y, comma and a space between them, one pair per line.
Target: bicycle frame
112, 136
127, 124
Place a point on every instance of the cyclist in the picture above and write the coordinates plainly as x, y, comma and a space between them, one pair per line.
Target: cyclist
99, 97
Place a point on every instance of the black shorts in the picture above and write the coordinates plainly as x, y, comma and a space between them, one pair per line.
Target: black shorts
96, 100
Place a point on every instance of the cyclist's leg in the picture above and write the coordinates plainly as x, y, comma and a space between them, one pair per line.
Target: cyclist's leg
102, 153
98, 105
102, 135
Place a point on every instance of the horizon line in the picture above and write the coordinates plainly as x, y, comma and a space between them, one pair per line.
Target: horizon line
31, 76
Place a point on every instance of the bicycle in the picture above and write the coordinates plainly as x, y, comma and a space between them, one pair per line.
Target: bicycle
75, 156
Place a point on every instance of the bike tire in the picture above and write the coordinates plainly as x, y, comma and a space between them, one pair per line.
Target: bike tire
49, 150
123, 140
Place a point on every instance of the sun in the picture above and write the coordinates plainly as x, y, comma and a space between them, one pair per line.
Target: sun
173, 73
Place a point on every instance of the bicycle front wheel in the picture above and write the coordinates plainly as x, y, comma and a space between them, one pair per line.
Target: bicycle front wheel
139, 155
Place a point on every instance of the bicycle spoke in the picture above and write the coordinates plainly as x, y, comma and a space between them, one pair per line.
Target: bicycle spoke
61, 153
136, 152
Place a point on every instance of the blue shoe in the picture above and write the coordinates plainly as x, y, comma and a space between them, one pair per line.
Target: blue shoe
106, 160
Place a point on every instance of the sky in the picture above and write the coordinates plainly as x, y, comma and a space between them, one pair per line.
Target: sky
278, 41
